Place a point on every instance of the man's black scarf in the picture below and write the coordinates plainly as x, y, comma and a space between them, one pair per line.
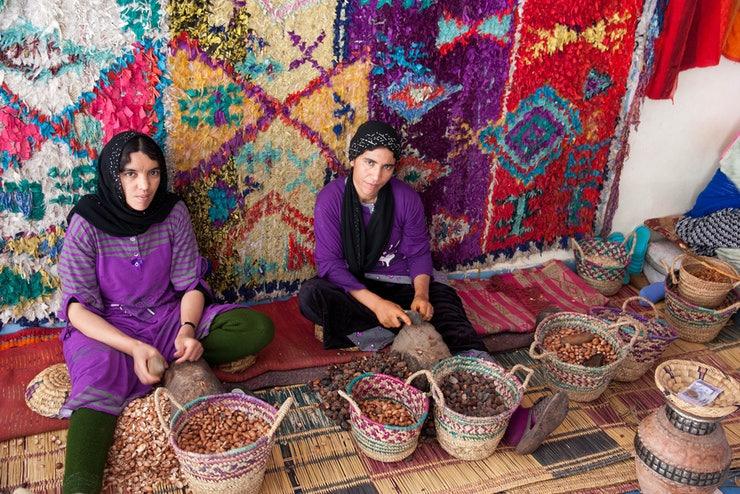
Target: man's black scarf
364, 246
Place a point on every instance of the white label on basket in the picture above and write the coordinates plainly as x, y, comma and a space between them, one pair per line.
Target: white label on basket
700, 393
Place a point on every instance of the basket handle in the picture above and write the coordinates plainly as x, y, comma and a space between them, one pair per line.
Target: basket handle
639, 328
634, 242
157, 406
575, 244
282, 412
439, 398
422, 372
349, 399
673, 267
537, 352
520, 367
641, 299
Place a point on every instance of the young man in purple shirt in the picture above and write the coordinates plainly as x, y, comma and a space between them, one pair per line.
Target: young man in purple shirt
372, 252
373, 258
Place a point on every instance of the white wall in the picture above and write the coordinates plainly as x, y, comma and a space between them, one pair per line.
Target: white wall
676, 148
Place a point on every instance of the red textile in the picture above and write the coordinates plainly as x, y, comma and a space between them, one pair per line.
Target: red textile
17, 367
294, 345
28, 336
692, 36
669, 48
704, 41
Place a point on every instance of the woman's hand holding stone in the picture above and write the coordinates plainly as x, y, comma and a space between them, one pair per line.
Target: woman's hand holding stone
390, 315
142, 352
422, 305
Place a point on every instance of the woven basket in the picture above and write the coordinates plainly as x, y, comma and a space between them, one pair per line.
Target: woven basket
674, 376
693, 322
239, 365
475, 438
581, 383
47, 392
240, 470
603, 264
698, 291
379, 441
652, 341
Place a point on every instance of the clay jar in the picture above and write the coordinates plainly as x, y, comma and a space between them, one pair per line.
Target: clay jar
678, 453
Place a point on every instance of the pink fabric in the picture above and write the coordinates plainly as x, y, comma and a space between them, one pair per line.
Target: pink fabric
510, 302
491, 311
517, 426
128, 100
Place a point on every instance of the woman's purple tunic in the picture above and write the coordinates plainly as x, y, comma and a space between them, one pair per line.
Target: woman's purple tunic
136, 284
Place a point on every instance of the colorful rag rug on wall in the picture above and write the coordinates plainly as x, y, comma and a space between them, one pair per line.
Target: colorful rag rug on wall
512, 112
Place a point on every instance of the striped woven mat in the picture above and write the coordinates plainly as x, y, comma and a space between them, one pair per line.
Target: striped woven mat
510, 302
590, 452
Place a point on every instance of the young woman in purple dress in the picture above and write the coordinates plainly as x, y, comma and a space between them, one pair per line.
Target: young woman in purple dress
133, 290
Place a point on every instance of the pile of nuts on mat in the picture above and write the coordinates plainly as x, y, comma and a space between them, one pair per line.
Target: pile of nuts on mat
471, 394
387, 412
579, 347
140, 454
217, 428
338, 376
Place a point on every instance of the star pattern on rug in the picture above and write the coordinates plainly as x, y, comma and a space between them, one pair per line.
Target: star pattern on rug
454, 31
413, 96
603, 35
532, 136
596, 83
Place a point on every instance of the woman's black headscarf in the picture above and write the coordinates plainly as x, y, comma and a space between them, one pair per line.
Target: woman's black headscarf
363, 247
106, 209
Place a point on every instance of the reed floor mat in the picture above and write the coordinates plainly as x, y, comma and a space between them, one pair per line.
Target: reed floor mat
590, 452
